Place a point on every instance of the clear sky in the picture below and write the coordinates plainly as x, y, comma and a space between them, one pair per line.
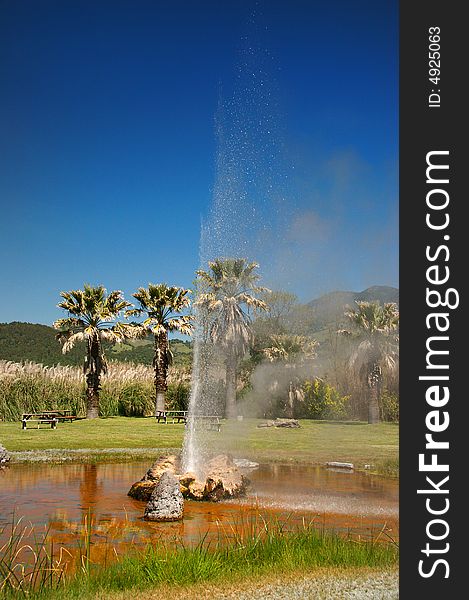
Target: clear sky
108, 145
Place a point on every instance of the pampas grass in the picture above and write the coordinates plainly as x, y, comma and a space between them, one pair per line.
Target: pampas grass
127, 389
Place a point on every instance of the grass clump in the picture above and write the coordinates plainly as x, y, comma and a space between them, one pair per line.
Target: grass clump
127, 389
251, 551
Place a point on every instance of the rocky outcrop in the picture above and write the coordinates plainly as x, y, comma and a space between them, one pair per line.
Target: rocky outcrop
191, 487
166, 501
244, 463
143, 489
4, 456
292, 423
223, 480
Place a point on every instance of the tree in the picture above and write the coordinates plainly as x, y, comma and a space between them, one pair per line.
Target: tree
280, 308
291, 351
280, 305
376, 327
93, 318
227, 297
290, 348
160, 303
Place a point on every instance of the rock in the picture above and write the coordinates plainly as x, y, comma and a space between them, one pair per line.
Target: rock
224, 479
186, 479
244, 463
292, 423
142, 490
340, 465
195, 490
166, 502
165, 463
4, 456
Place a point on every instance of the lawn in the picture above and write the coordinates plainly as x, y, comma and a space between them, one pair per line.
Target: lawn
313, 442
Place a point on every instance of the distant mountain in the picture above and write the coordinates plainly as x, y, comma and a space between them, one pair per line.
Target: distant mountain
36, 343
330, 308
21, 342
382, 293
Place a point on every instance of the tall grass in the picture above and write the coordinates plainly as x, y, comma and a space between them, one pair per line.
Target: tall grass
25, 567
245, 551
127, 389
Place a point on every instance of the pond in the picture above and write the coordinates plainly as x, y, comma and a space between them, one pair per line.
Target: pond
61, 498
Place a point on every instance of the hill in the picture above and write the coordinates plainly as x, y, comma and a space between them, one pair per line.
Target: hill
330, 308
21, 342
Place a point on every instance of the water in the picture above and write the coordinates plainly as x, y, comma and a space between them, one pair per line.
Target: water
59, 497
246, 209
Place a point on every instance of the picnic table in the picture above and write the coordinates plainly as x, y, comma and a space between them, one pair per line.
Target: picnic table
47, 417
176, 416
212, 422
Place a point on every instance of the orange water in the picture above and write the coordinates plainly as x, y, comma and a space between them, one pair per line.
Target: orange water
59, 497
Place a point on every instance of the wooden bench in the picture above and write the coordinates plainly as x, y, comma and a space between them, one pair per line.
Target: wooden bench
70, 418
51, 422
51, 417
176, 416
210, 422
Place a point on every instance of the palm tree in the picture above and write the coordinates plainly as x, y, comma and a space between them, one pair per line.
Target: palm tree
92, 319
376, 327
290, 348
292, 351
160, 303
227, 296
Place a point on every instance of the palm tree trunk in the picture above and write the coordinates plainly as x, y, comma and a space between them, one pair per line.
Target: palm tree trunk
92, 396
160, 364
290, 402
231, 381
93, 380
374, 385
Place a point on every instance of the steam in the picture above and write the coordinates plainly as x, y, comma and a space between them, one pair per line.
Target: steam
295, 213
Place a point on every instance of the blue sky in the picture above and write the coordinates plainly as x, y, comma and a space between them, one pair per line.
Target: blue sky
108, 144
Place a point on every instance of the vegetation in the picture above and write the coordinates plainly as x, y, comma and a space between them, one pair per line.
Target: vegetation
28, 342
322, 401
290, 349
161, 303
126, 389
376, 327
228, 296
255, 548
94, 318
315, 442
269, 379
34, 343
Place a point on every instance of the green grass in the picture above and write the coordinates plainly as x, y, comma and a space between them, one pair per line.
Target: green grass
111, 432
313, 442
260, 549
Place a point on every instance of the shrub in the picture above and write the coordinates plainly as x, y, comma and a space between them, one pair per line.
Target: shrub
389, 406
323, 401
177, 396
127, 389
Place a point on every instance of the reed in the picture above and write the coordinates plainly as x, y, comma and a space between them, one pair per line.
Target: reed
127, 389
25, 567
249, 549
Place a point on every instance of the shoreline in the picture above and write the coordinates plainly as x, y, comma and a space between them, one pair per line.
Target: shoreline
59, 456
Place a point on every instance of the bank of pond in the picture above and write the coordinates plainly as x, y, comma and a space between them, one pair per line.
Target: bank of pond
81, 524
